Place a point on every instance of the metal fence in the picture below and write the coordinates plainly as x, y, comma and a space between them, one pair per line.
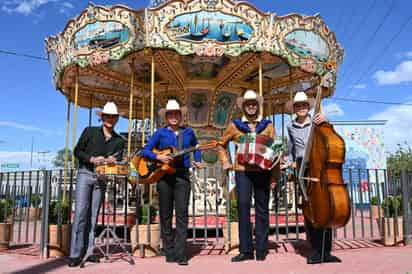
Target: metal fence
381, 208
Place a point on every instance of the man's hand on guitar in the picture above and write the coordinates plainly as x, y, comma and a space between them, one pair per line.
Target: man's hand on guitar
227, 166
319, 118
273, 184
164, 158
199, 164
110, 160
97, 160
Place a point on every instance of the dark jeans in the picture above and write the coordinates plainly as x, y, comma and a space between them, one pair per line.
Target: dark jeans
259, 183
174, 191
318, 237
89, 193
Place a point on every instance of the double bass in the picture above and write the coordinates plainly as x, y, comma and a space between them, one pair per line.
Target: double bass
326, 202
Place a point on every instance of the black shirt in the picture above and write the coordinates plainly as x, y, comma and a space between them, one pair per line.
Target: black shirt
92, 143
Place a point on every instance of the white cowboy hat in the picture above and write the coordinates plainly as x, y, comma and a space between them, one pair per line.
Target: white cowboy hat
172, 105
249, 95
300, 97
109, 108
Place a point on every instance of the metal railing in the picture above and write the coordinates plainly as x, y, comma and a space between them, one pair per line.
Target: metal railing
381, 208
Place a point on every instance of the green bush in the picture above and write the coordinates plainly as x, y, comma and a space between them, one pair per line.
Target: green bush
59, 206
35, 200
5, 213
391, 204
234, 216
210, 157
144, 213
374, 200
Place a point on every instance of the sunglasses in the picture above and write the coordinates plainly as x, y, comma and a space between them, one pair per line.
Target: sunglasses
250, 103
109, 116
301, 105
173, 113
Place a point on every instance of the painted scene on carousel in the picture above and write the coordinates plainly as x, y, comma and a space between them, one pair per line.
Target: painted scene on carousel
207, 25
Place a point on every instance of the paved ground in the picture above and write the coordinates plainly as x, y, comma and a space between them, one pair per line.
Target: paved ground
285, 258
359, 256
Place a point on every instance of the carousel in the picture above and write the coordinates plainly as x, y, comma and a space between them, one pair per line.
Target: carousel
204, 53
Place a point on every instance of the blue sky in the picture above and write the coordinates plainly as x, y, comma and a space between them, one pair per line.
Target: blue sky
373, 69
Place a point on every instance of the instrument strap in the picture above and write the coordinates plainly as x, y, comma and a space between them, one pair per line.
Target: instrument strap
179, 143
179, 139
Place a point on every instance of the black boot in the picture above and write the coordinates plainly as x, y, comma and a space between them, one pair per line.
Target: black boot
73, 262
182, 261
170, 258
315, 258
329, 258
261, 256
93, 259
243, 257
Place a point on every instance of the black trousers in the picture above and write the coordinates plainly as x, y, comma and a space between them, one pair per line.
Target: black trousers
174, 191
259, 183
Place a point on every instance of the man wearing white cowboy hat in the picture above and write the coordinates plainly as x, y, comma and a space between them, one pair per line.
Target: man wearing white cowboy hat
298, 133
96, 145
174, 189
250, 177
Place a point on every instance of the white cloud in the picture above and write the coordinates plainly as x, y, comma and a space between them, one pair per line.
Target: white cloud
333, 109
29, 128
66, 7
360, 86
409, 54
402, 73
398, 129
27, 7
26, 159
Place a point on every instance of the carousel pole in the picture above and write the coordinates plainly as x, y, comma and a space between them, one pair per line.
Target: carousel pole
290, 89
143, 136
271, 105
135, 127
271, 110
261, 81
76, 98
320, 87
90, 109
66, 149
283, 124
129, 138
290, 98
152, 93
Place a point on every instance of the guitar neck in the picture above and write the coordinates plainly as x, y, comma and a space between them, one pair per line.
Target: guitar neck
183, 152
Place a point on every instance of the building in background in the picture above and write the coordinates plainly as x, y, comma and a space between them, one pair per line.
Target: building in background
365, 159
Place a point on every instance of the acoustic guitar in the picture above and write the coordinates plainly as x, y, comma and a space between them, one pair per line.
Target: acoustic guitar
150, 171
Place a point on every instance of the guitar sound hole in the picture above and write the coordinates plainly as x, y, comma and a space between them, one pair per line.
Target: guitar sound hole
151, 167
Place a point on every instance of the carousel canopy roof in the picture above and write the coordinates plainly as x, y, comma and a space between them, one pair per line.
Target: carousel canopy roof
206, 53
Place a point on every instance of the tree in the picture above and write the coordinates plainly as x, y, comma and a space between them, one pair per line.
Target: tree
400, 160
60, 156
